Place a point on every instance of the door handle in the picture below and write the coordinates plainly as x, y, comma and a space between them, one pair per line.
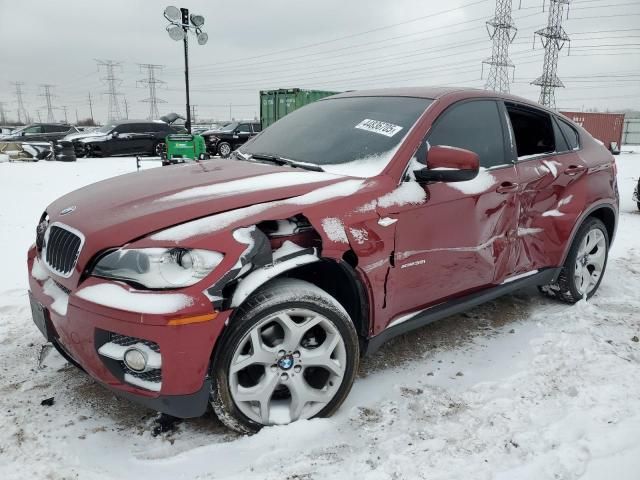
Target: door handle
575, 169
507, 187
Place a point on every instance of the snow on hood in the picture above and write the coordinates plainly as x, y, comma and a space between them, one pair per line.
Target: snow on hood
218, 222
118, 210
251, 184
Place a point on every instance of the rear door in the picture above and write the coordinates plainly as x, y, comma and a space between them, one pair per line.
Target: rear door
459, 239
551, 173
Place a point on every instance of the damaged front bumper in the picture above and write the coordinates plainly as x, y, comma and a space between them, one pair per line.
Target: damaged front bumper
94, 337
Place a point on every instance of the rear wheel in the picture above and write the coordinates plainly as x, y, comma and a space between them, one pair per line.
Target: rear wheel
290, 353
584, 267
224, 149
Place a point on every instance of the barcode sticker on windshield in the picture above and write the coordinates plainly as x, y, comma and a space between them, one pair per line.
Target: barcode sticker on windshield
377, 126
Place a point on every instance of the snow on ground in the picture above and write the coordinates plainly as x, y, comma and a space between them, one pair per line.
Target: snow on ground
519, 388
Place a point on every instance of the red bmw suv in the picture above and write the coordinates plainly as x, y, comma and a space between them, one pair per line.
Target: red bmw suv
254, 284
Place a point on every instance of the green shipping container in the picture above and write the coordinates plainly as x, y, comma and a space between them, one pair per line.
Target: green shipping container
275, 104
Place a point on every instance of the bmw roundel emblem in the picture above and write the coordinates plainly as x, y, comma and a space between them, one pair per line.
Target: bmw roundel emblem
286, 362
68, 210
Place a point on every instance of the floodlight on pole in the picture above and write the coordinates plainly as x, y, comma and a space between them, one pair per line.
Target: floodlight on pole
180, 24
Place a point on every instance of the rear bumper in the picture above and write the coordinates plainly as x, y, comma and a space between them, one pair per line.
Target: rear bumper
183, 387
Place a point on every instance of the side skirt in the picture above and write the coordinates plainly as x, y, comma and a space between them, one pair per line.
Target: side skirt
447, 309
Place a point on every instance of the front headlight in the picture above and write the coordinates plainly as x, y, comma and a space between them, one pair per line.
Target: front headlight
158, 267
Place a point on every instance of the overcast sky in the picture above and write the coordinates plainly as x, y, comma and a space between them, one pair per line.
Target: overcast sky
262, 44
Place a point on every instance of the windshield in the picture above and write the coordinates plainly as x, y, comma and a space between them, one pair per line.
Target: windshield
354, 136
105, 128
229, 127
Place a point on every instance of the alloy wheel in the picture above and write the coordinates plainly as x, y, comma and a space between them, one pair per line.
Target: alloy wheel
225, 150
289, 366
590, 261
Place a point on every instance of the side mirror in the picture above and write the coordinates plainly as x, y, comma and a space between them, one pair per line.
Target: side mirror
449, 164
115, 134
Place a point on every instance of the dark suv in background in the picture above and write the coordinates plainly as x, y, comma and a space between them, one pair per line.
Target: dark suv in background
39, 132
226, 139
126, 137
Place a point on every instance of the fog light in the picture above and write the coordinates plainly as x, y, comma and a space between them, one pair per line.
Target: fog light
135, 360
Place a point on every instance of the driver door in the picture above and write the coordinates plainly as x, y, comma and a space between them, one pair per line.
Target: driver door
241, 134
459, 239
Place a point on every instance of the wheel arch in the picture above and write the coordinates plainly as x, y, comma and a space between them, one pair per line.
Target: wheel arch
337, 278
605, 212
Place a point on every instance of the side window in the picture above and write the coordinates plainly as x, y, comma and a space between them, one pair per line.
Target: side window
533, 130
257, 128
151, 127
570, 134
561, 143
134, 128
34, 129
474, 126
244, 128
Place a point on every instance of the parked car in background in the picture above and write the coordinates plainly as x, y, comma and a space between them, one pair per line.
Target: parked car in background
636, 194
126, 137
256, 284
228, 138
39, 132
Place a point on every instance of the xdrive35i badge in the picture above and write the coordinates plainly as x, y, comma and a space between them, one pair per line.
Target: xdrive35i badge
68, 210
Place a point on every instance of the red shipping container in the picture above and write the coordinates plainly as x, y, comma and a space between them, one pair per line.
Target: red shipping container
606, 127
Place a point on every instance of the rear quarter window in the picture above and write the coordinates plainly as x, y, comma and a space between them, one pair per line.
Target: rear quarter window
570, 135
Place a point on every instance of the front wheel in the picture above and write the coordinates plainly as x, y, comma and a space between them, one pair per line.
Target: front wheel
584, 267
291, 352
224, 149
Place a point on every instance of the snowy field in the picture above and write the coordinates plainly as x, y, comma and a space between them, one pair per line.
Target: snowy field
520, 388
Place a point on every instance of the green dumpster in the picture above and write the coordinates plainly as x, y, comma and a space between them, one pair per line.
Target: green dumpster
275, 104
182, 147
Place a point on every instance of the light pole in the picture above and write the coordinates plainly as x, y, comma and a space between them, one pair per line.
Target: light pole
180, 25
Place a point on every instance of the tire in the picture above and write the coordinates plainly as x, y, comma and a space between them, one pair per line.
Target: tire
224, 149
582, 259
280, 364
159, 149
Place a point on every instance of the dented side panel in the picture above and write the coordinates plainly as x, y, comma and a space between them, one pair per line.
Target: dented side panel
459, 240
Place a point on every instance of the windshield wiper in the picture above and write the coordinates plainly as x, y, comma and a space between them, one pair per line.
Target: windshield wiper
286, 161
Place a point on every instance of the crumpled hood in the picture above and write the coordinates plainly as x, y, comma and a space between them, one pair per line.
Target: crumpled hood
116, 211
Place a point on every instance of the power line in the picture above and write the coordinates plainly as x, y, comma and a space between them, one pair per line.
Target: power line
112, 84
151, 82
48, 95
358, 34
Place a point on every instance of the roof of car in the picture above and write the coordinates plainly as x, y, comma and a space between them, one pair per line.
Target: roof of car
433, 93
123, 122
